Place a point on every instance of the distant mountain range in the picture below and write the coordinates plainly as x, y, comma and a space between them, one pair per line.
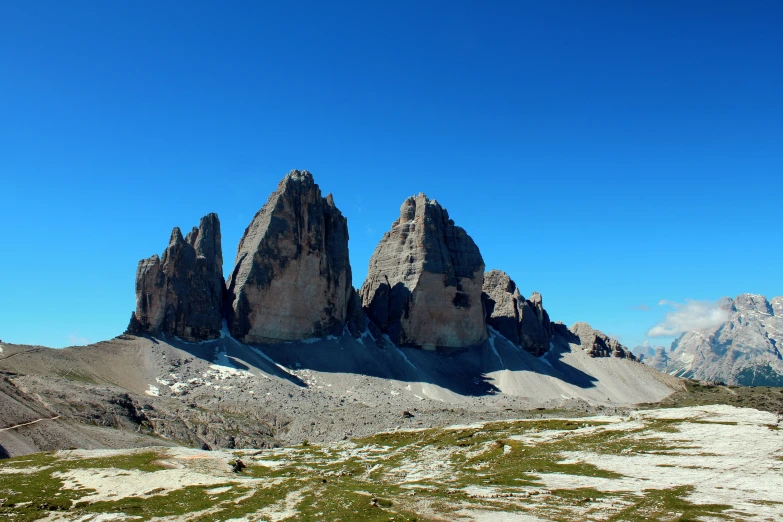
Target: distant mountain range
745, 350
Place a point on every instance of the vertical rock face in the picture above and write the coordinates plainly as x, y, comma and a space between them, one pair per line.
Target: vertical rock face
292, 278
597, 344
182, 293
523, 322
423, 286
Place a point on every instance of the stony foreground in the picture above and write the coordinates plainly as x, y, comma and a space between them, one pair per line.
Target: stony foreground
696, 463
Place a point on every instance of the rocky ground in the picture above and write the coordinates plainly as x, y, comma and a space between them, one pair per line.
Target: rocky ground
688, 463
224, 394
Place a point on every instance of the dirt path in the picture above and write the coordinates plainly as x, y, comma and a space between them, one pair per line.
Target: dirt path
28, 423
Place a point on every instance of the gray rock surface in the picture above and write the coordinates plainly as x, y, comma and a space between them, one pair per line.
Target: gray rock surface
523, 322
292, 277
598, 344
182, 293
745, 350
659, 359
424, 282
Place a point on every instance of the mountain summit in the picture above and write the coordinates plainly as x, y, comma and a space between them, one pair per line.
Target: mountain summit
745, 350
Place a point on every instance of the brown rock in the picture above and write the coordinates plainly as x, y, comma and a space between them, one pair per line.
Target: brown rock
597, 344
182, 293
523, 322
292, 278
423, 286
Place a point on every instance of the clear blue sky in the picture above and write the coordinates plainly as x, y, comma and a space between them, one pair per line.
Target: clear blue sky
606, 154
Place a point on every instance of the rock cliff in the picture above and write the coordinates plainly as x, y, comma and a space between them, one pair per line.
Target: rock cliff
292, 278
523, 322
598, 344
424, 282
182, 293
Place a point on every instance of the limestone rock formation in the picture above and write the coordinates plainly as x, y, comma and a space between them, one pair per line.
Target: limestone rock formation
523, 322
745, 350
597, 344
423, 286
292, 278
182, 293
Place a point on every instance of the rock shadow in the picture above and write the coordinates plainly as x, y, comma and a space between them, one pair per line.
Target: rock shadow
463, 371
4, 452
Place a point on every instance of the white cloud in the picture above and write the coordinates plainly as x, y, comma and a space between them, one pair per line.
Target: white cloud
690, 315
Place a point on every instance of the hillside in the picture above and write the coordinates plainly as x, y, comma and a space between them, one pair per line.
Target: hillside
223, 393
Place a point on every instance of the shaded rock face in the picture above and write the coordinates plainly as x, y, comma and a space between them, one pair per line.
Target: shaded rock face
597, 344
523, 322
423, 286
746, 350
292, 278
182, 293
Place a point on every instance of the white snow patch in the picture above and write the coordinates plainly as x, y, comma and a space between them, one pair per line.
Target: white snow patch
494, 350
223, 368
1, 348
153, 390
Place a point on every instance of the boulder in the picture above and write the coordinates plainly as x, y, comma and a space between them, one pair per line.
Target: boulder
597, 344
182, 293
523, 322
292, 277
424, 282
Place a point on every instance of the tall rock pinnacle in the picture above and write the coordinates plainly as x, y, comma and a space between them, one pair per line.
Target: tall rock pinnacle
523, 322
423, 286
182, 293
292, 277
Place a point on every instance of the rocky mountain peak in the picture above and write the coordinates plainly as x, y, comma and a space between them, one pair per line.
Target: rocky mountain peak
743, 350
753, 303
523, 322
598, 344
292, 278
182, 292
424, 281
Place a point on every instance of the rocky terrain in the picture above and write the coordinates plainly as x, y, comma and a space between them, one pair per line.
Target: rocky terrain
745, 350
635, 467
336, 399
289, 350
223, 393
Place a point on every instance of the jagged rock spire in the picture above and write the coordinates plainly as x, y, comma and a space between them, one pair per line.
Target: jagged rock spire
182, 293
523, 322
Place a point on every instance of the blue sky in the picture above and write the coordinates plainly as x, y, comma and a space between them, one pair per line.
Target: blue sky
606, 154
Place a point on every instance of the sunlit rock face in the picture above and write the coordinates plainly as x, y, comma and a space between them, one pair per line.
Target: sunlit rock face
424, 282
292, 277
182, 293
